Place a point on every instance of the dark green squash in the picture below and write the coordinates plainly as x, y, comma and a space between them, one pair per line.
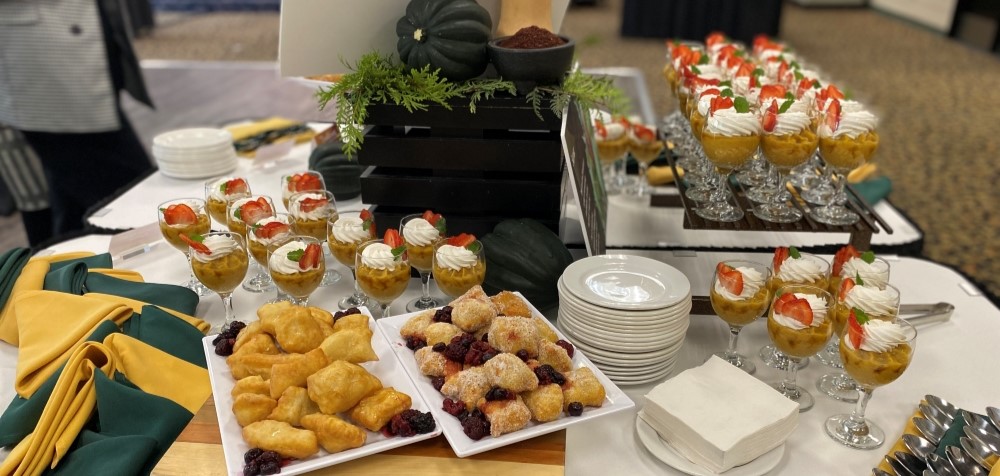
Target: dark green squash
523, 255
449, 35
341, 174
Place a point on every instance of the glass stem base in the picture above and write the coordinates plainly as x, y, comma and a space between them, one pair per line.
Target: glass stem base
839, 386
776, 360
739, 361
796, 394
865, 436
830, 355
260, 283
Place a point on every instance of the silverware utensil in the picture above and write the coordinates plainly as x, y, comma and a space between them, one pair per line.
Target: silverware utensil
900, 468
941, 465
963, 462
928, 472
929, 430
919, 446
984, 438
937, 416
980, 421
981, 454
941, 404
914, 464
879, 472
994, 414
927, 313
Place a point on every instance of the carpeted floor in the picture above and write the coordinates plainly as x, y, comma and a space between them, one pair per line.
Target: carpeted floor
936, 99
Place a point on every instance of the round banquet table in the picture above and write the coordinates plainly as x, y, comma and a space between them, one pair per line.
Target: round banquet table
955, 360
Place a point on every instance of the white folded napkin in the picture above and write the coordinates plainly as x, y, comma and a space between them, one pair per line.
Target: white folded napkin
718, 416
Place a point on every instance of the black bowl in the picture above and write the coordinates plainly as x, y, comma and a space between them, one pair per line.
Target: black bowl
538, 65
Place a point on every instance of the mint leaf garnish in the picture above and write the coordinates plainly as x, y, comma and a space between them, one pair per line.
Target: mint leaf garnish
789, 95
860, 316
868, 257
858, 280
222, 187
296, 255
739, 53
398, 251
726, 84
695, 70
795, 64
703, 60
816, 84
798, 76
741, 105
474, 247
794, 252
758, 72
785, 105
238, 213
441, 226
196, 238
726, 93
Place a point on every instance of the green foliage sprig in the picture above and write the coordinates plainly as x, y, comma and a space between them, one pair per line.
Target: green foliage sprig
379, 79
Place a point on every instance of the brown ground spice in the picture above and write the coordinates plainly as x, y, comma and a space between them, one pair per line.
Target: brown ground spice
532, 37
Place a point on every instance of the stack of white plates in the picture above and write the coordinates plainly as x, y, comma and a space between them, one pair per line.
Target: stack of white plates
629, 314
195, 153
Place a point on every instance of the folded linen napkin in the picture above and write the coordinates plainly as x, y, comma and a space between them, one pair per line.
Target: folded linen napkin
718, 416
11, 263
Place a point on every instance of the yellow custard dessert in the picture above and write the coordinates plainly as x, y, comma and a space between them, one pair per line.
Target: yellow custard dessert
789, 150
383, 285
739, 313
172, 233
217, 209
222, 274
729, 152
876, 368
299, 284
846, 153
799, 342
455, 283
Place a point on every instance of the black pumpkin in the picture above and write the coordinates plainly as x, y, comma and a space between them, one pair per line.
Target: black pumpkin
341, 174
448, 35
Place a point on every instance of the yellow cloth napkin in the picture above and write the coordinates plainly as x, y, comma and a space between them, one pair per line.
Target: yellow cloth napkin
662, 174
243, 131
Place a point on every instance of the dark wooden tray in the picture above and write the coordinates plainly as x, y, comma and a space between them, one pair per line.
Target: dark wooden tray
501, 112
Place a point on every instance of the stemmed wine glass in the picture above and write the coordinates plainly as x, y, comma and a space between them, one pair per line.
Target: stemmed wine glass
799, 324
420, 237
739, 299
842, 153
346, 232
727, 153
382, 269
185, 216
645, 146
262, 237
242, 215
871, 367
612, 145
296, 265
785, 151
220, 192
219, 260
310, 214
305, 181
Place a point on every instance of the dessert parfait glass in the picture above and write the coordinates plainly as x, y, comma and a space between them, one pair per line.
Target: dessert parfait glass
220, 192
876, 303
459, 264
612, 144
799, 324
739, 295
788, 141
242, 215
262, 237
382, 269
791, 266
184, 216
846, 142
296, 265
219, 260
306, 181
420, 233
645, 146
698, 171
875, 353
730, 139
873, 274
310, 214
346, 232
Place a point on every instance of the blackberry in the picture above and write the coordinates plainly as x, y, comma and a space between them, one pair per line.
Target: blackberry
523, 355
566, 345
346, 312
225, 347
498, 393
486, 337
401, 427
420, 422
251, 469
443, 315
487, 356
270, 467
437, 383
269, 457
477, 350
415, 343
476, 427
453, 407
458, 347
439, 347
575, 409
548, 375
253, 454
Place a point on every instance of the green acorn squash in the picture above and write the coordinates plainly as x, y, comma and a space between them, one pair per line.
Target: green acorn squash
341, 174
448, 35
523, 255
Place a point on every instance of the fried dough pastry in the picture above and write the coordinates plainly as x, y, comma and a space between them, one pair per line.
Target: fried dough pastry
554, 355
545, 402
582, 386
475, 293
324, 318
355, 321
509, 372
251, 384
510, 304
440, 332
251, 407
245, 365
505, 416
512, 333
435, 364
294, 373
292, 406
352, 344
282, 438
296, 330
375, 410
252, 329
469, 386
340, 386
335, 435
416, 325
470, 315
544, 329
268, 314
260, 343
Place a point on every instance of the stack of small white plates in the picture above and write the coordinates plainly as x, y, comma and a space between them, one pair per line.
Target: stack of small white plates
195, 153
629, 314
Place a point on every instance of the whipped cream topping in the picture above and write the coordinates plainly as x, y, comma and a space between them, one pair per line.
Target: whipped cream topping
791, 123
803, 270
711, 71
220, 245
236, 206
318, 213
852, 124
874, 274
879, 336
216, 188
705, 104
752, 282
269, 241
638, 140
816, 303
872, 300
615, 131
349, 230
378, 256
729, 123
803, 105
846, 105
279, 258
420, 232
455, 257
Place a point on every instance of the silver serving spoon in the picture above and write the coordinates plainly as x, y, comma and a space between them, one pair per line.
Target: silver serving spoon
980, 421
978, 452
919, 446
879, 472
964, 463
994, 414
929, 430
984, 438
941, 404
941, 465
937, 416
899, 468
928, 472
914, 464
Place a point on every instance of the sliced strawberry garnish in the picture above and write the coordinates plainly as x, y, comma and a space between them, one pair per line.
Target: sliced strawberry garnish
253, 211
392, 238
696, 82
780, 255
771, 91
833, 114
833, 92
624, 122
782, 71
733, 61
644, 133
714, 38
367, 222
308, 204
679, 51
770, 119
179, 214
463, 240
855, 329
746, 69
726, 52
800, 310
779, 304
719, 103
271, 230
432, 217
304, 182
310, 257
236, 186
196, 244
710, 91
805, 84
846, 285
730, 278
843, 254
602, 131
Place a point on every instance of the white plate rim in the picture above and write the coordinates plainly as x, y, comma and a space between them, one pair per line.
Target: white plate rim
633, 314
233, 445
616, 400
632, 358
644, 378
662, 450
633, 342
214, 136
577, 273
667, 325
626, 319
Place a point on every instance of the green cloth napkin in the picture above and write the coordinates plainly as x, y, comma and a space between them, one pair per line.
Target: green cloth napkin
950, 438
159, 329
874, 190
11, 264
170, 296
66, 279
102, 260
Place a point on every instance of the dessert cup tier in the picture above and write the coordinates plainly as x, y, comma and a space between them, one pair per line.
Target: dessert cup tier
300, 284
799, 343
874, 369
455, 282
848, 153
172, 233
729, 152
789, 150
743, 312
383, 285
224, 273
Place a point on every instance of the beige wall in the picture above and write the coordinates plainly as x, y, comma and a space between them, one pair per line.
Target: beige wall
936, 14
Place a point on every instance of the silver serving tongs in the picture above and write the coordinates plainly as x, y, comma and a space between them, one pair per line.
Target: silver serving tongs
926, 313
